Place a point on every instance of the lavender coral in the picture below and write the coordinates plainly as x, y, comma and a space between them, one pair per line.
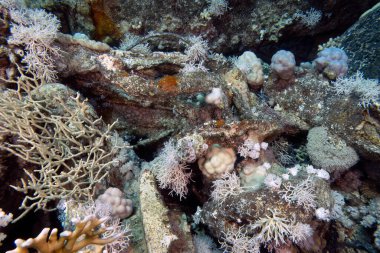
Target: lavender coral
332, 62
283, 64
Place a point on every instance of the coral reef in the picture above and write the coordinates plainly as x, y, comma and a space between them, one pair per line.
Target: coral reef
189, 126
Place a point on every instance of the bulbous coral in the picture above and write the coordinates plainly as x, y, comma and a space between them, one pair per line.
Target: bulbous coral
217, 162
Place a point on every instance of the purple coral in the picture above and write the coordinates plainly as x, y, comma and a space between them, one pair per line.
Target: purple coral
332, 62
283, 64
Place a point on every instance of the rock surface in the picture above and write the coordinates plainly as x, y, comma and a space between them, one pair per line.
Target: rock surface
244, 24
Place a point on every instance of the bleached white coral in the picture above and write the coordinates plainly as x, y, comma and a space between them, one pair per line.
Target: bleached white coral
300, 232
285, 176
170, 172
198, 49
294, 170
190, 67
322, 214
321, 173
226, 186
310, 169
215, 97
302, 194
367, 89
309, 18
204, 244
273, 228
167, 240
237, 241
5, 219
36, 31
273, 181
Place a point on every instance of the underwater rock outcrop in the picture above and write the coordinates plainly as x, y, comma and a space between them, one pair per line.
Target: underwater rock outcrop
176, 147
260, 25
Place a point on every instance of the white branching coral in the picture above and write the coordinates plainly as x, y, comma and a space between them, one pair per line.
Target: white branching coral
197, 51
237, 241
302, 194
273, 181
294, 170
228, 185
129, 41
170, 166
272, 228
367, 89
215, 8
190, 67
300, 232
309, 18
171, 173
204, 244
275, 228
36, 30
